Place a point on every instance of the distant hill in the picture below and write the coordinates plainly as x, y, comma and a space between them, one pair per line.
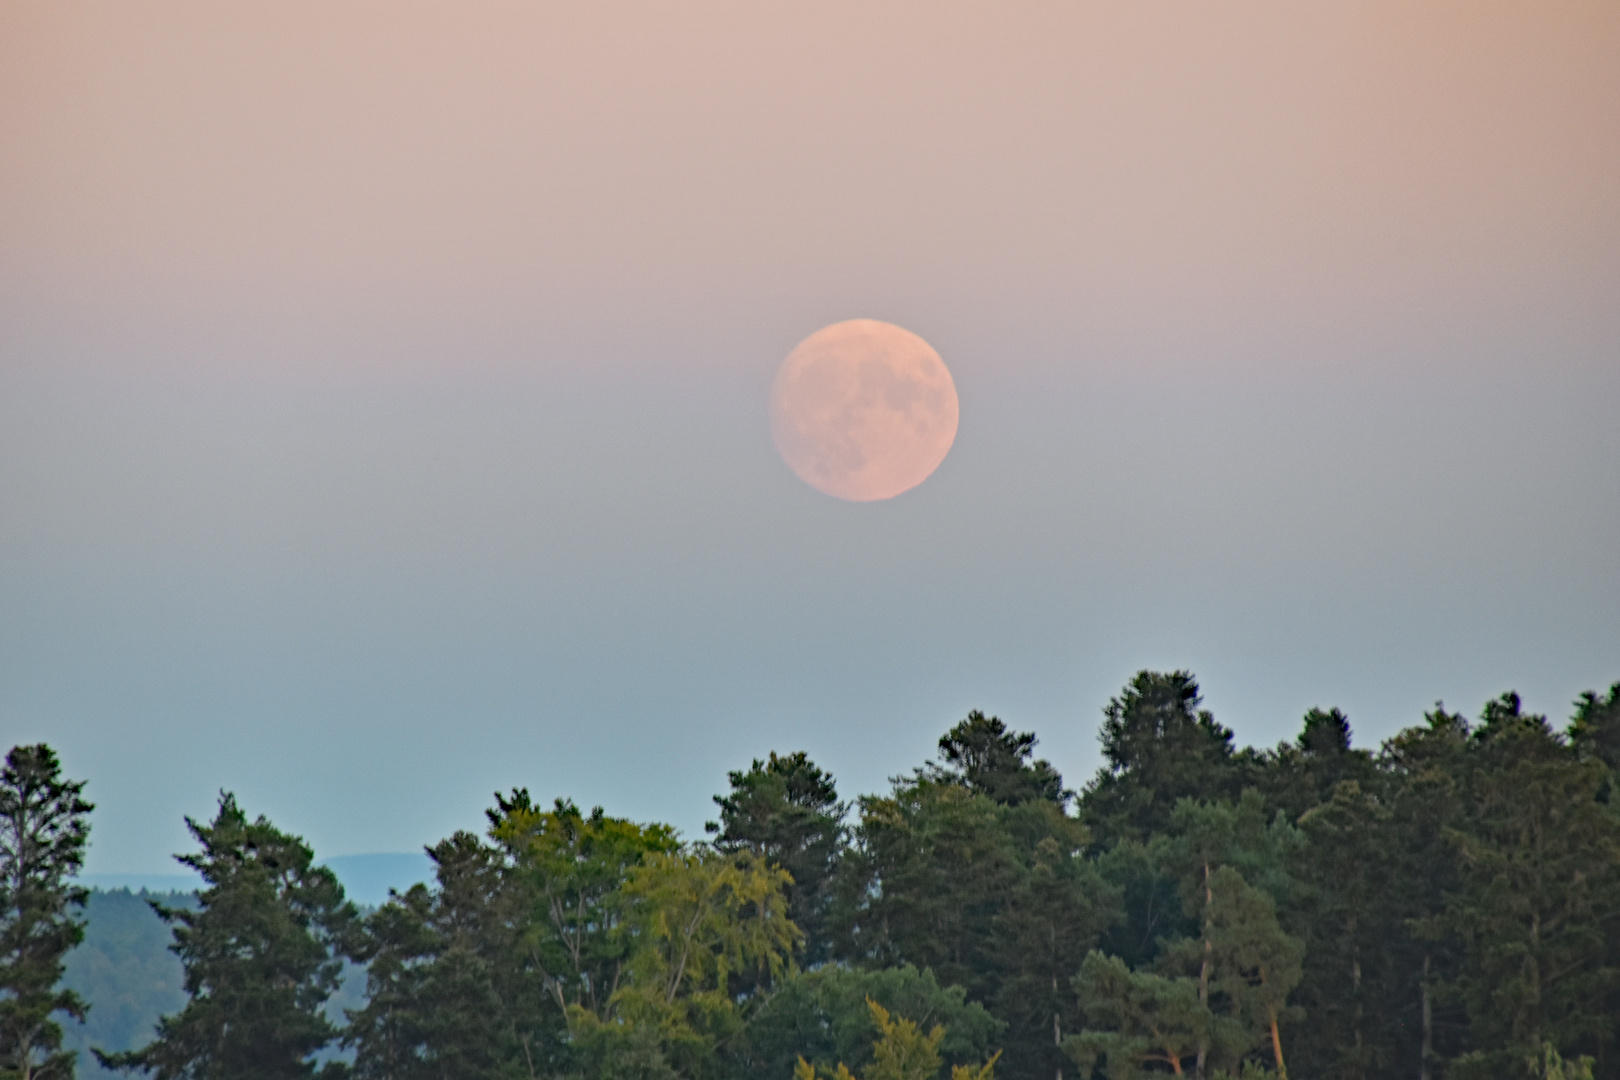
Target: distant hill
126, 971
366, 878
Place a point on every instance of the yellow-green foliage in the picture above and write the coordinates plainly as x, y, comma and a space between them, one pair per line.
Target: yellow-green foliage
1554, 1067
902, 1052
703, 916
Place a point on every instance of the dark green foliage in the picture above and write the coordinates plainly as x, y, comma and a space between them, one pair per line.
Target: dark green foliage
1138, 1024
1595, 729
1594, 733
1232, 865
1151, 904
128, 973
262, 953
1160, 748
822, 1016
786, 811
1300, 775
974, 870
1351, 919
1447, 908
569, 945
1254, 965
985, 757
44, 827
1538, 883
1424, 765
930, 871
438, 963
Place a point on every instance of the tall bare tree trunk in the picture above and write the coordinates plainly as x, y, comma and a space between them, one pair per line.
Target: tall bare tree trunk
1428, 1023
1057, 1028
1276, 1048
1203, 971
1355, 980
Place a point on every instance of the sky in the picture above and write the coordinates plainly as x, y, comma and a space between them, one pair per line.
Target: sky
383, 386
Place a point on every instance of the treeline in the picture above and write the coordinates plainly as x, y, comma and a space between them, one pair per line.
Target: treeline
1447, 906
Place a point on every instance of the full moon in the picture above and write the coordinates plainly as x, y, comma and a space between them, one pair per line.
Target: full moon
863, 410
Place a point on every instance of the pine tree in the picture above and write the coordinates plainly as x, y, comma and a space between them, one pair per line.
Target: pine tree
1595, 729
974, 868
262, 953
1539, 881
1301, 775
1137, 1023
1594, 733
1054, 916
987, 758
44, 828
1425, 766
449, 993
1160, 747
787, 812
1256, 964
1207, 845
1351, 924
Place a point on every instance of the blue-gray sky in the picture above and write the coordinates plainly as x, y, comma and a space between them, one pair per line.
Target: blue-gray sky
382, 397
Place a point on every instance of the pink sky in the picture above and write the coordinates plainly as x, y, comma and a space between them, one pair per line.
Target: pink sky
699, 162
390, 378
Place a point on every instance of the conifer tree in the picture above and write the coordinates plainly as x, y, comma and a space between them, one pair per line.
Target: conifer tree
1352, 926
1206, 844
1425, 766
1256, 964
449, 992
1539, 881
1159, 747
1138, 1023
1301, 775
982, 754
787, 812
44, 828
974, 868
1595, 729
262, 953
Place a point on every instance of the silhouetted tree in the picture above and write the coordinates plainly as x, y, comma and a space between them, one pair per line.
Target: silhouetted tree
786, 811
1159, 747
262, 953
985, 757
44, 827
1300, 775
1595, 730
1538, 883
973, 868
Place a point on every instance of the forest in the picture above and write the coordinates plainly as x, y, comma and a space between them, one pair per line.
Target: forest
1446, 905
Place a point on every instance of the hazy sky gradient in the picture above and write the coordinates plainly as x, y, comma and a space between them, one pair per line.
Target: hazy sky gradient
382, 386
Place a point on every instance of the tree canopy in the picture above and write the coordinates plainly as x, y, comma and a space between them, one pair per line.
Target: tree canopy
1445, 905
